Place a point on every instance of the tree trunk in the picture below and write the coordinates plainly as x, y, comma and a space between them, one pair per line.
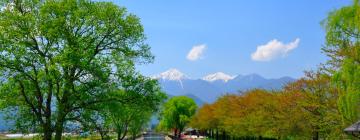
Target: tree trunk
103, 135
124, 134
134, 136
47, 129
102, 132
47, 125
179, 134
119, 132
59, 125
47, 132
316, 135
119, 136
175, 132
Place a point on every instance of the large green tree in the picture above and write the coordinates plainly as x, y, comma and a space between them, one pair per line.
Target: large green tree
177, 113
343, 46
60, 57
131, 117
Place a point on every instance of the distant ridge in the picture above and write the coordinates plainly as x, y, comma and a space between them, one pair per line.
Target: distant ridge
212, 86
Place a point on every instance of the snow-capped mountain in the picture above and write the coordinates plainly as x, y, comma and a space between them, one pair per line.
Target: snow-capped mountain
218, 76
171, 74
212, 86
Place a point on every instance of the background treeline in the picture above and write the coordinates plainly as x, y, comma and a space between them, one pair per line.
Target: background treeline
304, 109
318, 106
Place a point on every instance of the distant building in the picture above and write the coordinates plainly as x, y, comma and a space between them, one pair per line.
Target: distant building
353, 130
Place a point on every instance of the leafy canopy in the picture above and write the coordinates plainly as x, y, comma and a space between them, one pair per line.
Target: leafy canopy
177, 112
59, 57
343, 46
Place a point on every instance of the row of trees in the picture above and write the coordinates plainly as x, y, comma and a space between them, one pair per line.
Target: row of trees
305, 109
318, 106
70, 63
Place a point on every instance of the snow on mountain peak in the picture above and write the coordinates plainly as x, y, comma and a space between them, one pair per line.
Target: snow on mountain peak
171, 74
218, 76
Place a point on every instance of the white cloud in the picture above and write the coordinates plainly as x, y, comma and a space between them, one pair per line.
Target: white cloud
196, 52
273, 49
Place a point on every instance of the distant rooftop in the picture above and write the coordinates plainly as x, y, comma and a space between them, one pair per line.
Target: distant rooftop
353, 129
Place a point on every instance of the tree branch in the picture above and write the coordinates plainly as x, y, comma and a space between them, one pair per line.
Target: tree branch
37, 112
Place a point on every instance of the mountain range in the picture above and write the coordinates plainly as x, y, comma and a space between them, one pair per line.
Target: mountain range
212, 86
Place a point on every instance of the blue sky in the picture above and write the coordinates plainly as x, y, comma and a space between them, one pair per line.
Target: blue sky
231, 31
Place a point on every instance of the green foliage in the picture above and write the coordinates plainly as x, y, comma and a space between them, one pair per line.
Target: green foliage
343, 46
126, 117
319, 105
177, 113
59, 58
131, 118
304, 109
